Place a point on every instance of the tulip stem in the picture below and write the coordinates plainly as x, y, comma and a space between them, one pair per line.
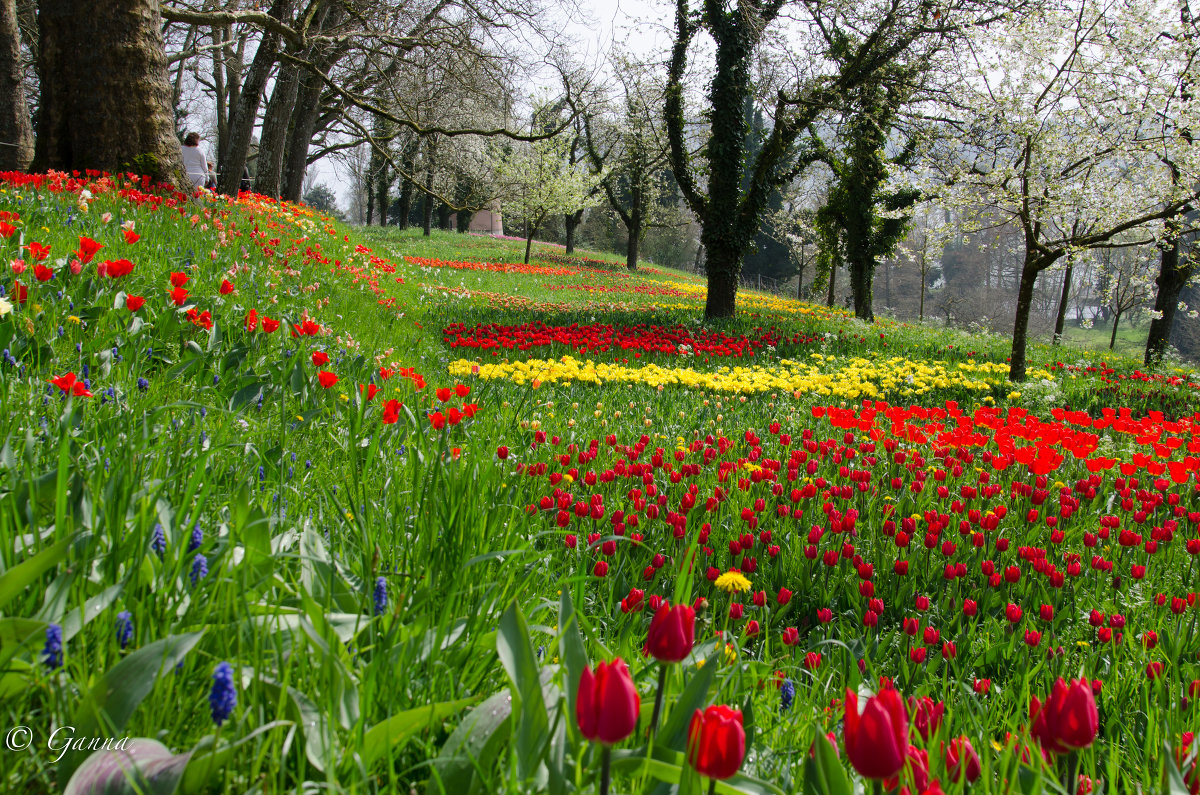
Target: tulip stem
712, 786
658, 700
605, 762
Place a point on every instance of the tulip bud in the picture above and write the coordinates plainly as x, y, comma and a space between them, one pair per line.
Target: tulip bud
716, 742
877, 739
607, 704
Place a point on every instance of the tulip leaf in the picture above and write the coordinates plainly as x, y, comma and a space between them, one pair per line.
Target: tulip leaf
517, 657
112, 700
824, 773
319, 741
674, 730
669, 766
472, 747
14, 581
570, 647
385, 737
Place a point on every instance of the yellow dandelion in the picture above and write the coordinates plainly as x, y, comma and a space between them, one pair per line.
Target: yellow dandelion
732, 581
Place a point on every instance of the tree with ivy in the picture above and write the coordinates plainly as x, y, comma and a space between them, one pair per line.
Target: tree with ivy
829, 49
864, 219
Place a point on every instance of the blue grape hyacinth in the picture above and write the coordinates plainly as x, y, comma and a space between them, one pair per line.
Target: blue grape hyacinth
381, 596
52, 652
223, 697
199, 568
124, 628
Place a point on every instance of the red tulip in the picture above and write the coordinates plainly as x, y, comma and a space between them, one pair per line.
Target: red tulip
114, 268
326, 378
607, 703
226, 287
716, 741
320, 358
961, 760
1068, 719
38, 251
391, 412
876, 740
134, 302
927, 715
502, 452
87, 249
791, 636
179, 296
178, 279
671, 634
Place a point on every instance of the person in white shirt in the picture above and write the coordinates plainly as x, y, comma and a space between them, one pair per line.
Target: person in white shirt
195, 161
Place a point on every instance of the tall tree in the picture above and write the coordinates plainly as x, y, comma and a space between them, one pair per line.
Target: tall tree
16, 131
106, 106
1177, 261
630, 146
847, 45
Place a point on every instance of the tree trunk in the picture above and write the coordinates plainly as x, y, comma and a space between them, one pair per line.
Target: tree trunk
1061, 320
1029, 274
861, 274
1172, 276
300, 132
404, 203
462, 222
383, 187
829, 296
722, 287
16, 127
726, 232
274, 130
105, 97
530, 231
631, 250
243, 114
924, 281
800, 277
1112, 340
427, 205
220, 91
370, 186
571, 222
444, 214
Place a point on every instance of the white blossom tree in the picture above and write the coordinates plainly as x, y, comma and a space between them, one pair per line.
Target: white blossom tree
1058, 130
537, 180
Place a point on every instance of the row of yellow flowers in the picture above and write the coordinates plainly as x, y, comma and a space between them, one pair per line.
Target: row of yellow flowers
849, 379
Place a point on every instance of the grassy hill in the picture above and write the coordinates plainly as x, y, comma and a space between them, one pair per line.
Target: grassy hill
303, 506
